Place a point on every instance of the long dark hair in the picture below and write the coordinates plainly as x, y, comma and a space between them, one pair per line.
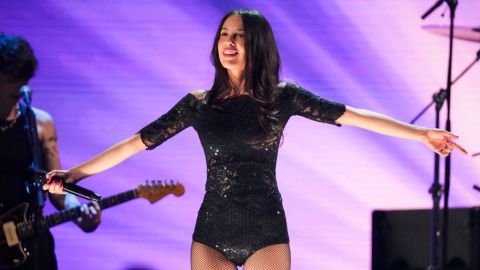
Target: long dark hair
262, 64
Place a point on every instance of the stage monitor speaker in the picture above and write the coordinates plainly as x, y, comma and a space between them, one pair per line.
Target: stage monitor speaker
401, 239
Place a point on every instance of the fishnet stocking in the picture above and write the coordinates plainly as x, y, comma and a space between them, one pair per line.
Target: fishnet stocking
274, 257
204, 257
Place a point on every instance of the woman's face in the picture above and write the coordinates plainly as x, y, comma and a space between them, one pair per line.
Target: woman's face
231, 44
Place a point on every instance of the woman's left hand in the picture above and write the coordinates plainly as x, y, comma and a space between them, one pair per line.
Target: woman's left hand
441, 142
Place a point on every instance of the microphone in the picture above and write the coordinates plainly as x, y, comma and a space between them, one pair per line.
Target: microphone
79, 191
40, 176
26, 94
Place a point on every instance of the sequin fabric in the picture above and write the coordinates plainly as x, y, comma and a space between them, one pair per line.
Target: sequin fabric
242, 209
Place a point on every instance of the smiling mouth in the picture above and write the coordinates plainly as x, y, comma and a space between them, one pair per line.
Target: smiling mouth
230, 52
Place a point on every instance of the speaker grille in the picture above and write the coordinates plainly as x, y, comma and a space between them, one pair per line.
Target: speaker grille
401, 239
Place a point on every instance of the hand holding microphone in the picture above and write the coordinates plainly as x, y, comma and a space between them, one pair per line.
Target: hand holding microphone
56, 182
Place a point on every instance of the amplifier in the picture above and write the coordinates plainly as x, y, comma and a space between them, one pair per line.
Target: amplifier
401, 239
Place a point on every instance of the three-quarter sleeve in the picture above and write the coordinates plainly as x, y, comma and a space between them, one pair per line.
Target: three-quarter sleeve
181, 116
307, 104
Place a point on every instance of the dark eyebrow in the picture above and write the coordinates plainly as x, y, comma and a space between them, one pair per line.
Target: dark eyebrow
224, 28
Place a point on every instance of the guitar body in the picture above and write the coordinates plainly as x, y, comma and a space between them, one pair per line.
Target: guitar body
15, 226
12, 254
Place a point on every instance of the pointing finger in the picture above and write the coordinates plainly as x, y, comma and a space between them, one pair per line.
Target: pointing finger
447, 134
459, 148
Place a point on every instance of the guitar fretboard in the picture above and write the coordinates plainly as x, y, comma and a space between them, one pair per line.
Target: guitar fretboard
27, 228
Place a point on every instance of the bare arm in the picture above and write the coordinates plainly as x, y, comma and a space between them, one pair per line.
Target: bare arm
168, 125
381, 124
103, 161
91, 215
108, 158
47, 136
439, 141
182, 115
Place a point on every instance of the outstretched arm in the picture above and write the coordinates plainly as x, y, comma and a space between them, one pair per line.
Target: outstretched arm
105, 160
91, 215
440, 141
181, 116
109, 158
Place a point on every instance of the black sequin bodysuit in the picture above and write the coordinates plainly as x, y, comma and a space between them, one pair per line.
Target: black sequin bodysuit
242, 208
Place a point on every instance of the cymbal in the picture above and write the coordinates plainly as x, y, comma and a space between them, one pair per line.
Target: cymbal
460, 32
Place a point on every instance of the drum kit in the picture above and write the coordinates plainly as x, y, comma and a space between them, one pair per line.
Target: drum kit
467, 33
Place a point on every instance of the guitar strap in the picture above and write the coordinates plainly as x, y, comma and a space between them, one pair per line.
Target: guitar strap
33, 187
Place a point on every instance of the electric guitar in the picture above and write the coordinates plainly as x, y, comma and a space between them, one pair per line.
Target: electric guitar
16, 227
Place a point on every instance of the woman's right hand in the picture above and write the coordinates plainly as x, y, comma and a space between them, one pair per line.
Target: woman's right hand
54, 182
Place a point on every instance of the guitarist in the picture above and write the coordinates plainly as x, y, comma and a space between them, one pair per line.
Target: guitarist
17, 66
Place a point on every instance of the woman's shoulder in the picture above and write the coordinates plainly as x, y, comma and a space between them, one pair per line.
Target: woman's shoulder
199, 94
286, 88
197, 98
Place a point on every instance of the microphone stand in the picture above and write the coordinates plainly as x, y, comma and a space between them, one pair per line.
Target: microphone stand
436, 189
32, 186
439, 97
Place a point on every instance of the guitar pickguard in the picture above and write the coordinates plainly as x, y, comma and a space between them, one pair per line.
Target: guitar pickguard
11, 250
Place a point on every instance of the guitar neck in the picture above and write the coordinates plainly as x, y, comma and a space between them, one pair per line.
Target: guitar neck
72, 213
153, 192
26, 228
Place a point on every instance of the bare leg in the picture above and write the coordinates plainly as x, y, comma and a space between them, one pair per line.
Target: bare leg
204, 257
274, 257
